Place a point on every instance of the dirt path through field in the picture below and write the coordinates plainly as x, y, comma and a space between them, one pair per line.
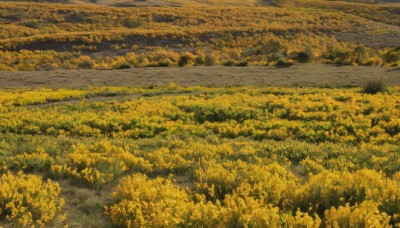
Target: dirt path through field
298, 75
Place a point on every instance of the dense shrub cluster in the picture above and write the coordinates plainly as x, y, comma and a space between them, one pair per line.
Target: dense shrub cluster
240, 156
143, 202
342, 116
26, 200
261, 55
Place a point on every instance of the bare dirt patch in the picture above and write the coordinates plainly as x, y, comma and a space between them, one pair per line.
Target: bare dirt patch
297, 75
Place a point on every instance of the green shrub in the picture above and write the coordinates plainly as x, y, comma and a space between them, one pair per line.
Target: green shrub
360, 55
210, 60
374, 86
228, 63
249, 52
199, 60
31, 24
124, 65
270, 2
235, 63
132, 23
303, 57
338, 56
242, 63
283, 63
185, 60
271, 46
391, 55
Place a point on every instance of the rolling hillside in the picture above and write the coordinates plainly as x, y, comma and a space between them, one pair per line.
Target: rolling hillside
141, 3
69, 36
183, 3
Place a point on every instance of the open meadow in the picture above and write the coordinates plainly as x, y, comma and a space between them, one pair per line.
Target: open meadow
186, 113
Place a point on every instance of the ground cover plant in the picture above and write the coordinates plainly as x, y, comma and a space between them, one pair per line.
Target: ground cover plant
200, 156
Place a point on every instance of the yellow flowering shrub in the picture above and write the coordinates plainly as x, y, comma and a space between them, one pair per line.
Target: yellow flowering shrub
310, 167
98, 164
37, 161
318, 115
22, 97
203, 214
365, 214
240, 210
273, 183
142, 202
26, 200
334, 189
302, 219
164, 161
3, 168
239, 156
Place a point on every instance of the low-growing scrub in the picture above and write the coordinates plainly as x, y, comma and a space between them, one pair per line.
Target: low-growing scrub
247, 156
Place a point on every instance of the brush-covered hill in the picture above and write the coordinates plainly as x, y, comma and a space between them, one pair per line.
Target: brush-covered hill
38, 36
159, 3
180, 3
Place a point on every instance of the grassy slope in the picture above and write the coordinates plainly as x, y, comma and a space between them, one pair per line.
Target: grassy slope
101, 32
384, 13
313, 3
154, 2
60, 23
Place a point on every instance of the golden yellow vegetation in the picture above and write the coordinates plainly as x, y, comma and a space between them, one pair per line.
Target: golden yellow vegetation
55, 36
240, 156
26, 200
387, 14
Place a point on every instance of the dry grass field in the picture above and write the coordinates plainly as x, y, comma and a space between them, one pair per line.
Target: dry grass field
297, 75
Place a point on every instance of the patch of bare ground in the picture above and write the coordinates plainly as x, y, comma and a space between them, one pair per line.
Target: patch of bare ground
84, 206
297, 75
